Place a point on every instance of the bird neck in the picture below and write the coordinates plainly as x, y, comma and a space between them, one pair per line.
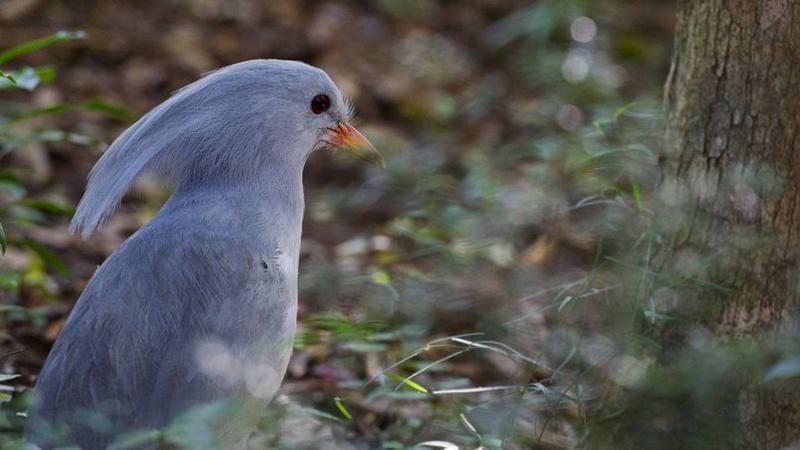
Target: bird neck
260, 204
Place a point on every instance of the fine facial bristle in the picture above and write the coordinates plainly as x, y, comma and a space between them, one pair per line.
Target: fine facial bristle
349, 109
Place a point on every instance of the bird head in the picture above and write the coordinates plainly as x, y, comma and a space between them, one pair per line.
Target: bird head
247, 121
274, 111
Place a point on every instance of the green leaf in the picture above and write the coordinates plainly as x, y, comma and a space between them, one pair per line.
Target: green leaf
410, 383
10, 282
108, 109
469, 426
48, 207
3, 242
340, 406
195, 428
381, 277
637, 196
92, 105
621, 111
322, 414
7, 77
407, 395
24, 78
46, 136
6, 308
28, 78
364, 347
36, 44
50, 258
17, 444
343, 327
47, 111
134, 439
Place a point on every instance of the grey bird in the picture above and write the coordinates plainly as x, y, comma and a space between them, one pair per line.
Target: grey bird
198, 307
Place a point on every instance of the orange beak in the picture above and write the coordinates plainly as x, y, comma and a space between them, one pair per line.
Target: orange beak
346, 137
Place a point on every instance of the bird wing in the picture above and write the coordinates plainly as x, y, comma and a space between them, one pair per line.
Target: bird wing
171, 320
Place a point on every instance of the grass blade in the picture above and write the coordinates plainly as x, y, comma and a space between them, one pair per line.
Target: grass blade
410, 383
342, 409
36, 44
3, 242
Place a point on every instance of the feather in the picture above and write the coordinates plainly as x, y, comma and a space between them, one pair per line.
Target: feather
123, 161
227, 125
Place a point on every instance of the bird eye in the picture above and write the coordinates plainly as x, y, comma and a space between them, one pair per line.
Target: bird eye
320, 103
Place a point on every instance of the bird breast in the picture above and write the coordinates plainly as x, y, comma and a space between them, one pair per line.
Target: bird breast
254, 347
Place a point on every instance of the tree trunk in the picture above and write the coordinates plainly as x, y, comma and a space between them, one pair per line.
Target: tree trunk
732, 149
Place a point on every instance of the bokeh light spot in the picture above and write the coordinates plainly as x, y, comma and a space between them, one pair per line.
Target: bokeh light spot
583, 30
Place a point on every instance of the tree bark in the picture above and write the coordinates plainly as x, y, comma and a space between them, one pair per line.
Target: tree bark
732, 152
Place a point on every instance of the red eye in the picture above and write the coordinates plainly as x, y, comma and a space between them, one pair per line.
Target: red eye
320, 104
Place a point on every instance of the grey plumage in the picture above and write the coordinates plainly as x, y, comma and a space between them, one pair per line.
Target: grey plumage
226, 126
199, 305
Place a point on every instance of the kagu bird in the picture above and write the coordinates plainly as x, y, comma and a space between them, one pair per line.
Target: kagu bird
199, 306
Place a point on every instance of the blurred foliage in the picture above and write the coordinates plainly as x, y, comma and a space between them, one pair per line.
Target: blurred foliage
19, 209
498, 285
27, 78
